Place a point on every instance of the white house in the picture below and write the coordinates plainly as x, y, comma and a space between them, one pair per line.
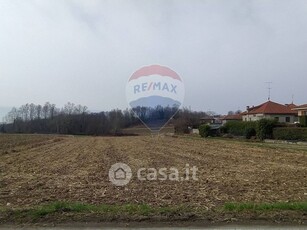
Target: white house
271, 110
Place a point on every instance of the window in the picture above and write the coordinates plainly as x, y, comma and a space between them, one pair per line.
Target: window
288, 119
276, 118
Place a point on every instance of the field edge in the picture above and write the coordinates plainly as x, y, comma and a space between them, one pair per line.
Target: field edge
238, 213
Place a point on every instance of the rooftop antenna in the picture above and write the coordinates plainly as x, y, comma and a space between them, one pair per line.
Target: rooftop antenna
269, 88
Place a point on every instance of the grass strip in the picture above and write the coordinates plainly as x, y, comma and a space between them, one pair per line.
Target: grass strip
239, 207
126, 209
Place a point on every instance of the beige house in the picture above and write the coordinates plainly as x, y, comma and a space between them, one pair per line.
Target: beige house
271, 110
302, 114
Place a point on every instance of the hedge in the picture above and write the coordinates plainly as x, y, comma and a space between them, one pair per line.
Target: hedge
262, 128
296, 134
303, 121
239, 128
204, 130
265, 128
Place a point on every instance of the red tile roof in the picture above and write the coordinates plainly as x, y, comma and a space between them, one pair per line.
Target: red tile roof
291, 106
271, 107
300, 107
233, 117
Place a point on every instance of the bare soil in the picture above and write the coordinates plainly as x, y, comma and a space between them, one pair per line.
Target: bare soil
39, 169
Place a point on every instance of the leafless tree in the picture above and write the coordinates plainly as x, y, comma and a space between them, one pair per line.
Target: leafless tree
69, 108
32, 109
52, 111
38, 111
25, 110
80, 109
46, 110
12, 115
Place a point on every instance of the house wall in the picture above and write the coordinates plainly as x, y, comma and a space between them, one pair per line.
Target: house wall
302, 112
281, 118
253, 117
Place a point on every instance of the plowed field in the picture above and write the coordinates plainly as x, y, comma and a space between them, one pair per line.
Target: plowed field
39, 169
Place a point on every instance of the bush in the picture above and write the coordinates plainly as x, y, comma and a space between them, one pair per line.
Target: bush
239, 128
265, 128
181, 126
303, 121
298, 134
224, 129
262, 128
204, 130
249, 133
236, 128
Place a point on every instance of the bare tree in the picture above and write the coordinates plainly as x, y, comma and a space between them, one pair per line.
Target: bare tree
24, 110
69, 108
12, 115
80, 109
46, 110
52, 110
32, 109
38, 111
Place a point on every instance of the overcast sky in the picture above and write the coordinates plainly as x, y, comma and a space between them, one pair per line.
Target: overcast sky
84, 51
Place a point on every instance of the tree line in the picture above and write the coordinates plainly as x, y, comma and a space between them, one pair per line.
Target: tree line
78, 120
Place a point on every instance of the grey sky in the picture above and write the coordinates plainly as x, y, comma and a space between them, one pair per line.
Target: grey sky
85, 51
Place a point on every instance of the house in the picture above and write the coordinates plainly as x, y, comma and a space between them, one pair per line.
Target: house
271, 110
211, 120
234, 117
302, 113
207, 120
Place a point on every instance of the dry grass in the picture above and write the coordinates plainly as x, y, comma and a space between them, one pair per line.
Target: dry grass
46, 169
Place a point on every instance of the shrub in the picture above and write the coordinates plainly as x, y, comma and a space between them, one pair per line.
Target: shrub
238, 128
303, 121
204, 130
262, 128
181, 126
224, 129
298, 134
265, 128
249, 133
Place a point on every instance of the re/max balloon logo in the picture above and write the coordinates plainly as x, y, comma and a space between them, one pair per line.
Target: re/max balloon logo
155, 86
155, 93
